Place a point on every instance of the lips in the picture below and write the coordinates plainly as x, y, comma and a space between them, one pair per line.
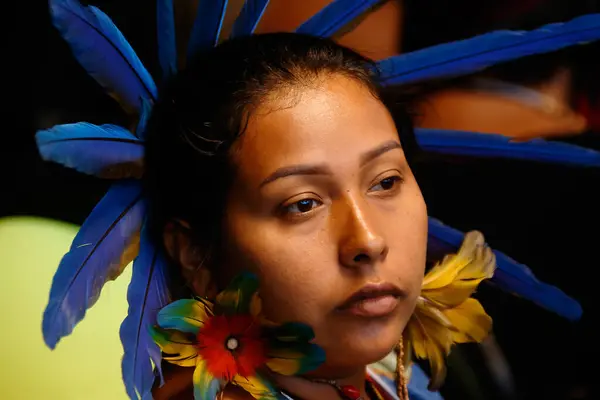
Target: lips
373, 300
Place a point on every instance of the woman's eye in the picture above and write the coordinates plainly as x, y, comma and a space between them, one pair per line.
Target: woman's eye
386, 184
302, 206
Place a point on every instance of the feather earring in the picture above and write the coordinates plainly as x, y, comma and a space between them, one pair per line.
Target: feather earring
510, 275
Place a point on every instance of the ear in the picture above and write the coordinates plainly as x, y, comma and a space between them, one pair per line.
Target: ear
189, 258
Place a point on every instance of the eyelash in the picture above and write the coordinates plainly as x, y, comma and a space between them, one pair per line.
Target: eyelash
395, 180
287, 209
314, 202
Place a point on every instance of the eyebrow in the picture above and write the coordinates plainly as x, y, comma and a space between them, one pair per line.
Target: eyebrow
322, 169
379, 151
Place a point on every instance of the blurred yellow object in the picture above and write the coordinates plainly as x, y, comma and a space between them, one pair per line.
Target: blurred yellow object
85, 365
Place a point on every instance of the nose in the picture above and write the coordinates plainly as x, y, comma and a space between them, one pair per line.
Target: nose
360, 243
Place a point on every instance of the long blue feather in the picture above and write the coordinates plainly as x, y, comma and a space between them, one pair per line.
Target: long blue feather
167, 46
147, 294
249, 17
107, 151
335, 16
207, 26
96, 256
510, 276
102, 50
491, 145
471, 55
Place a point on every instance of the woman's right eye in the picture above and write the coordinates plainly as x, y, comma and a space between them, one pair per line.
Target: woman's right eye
301, 207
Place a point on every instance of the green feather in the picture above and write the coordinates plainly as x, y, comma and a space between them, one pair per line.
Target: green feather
236, 298
187, 315
288, 358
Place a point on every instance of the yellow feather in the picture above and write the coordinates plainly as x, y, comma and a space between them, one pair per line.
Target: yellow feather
177, 347
284, 361
451, 295
445, 314
445, 273
431, 343
454, 280
470, 322
429, 310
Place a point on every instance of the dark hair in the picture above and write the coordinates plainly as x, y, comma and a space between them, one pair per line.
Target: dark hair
203, 110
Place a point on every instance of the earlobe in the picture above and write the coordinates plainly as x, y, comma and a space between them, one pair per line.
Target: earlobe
189, 258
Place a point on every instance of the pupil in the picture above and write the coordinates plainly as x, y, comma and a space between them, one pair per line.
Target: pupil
387, 183
304, 205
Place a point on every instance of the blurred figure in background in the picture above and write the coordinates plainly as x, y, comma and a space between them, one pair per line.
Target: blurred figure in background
551, 95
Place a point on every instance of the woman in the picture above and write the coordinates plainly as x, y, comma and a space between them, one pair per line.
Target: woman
303, 184
262, 122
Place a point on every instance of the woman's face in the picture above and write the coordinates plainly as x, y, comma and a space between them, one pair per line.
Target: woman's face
325, 209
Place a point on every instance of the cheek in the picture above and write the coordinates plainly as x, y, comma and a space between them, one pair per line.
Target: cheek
287, 265
407, 241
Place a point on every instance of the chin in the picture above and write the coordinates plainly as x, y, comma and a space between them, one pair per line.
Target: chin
364, 343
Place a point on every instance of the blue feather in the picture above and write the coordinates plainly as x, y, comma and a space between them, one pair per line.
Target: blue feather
107, 151
167, 46
207, 26
249, 17
102, 248
145, 112
335, 16
148, 293
490, 145
510, 276
471, 55
103, 51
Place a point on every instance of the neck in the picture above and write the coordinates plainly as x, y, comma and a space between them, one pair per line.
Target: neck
313, 387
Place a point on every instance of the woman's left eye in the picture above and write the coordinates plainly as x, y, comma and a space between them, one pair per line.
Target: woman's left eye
386, 184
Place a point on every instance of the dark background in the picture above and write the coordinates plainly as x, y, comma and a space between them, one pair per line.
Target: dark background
544, 216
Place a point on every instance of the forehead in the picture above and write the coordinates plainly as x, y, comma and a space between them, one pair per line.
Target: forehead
332, 122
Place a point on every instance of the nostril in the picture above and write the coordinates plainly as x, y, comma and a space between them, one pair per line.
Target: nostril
361, 258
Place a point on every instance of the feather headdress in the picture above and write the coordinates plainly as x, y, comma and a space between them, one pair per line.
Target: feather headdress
114, 233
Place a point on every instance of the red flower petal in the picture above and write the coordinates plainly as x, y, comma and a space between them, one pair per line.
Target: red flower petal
252, 354
225, 363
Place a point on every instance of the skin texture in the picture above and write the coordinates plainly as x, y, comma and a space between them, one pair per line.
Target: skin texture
315, 239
